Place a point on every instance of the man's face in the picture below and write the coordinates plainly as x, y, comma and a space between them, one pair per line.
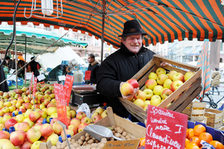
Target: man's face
133, 43
90, 59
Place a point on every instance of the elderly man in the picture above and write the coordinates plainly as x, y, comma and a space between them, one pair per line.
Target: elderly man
122, 65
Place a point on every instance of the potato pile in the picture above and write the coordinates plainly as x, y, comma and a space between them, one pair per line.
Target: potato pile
88, 142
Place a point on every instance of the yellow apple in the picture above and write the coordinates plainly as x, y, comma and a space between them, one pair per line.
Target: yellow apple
155, 100
152, 75
188, 75
161, 78
148, 93
158, 89
160, 70
147, 102
150, 83
139, 102
167, 83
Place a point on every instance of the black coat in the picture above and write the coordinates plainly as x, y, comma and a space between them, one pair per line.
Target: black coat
3, 86
93, 68
116, 68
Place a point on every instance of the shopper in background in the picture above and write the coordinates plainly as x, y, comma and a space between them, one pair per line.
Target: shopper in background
34, 67
3, 85
21, 68
122, 65
93, 67
9, 63
215, 80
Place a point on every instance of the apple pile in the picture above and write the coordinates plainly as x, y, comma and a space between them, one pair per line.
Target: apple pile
87, 141
158, 87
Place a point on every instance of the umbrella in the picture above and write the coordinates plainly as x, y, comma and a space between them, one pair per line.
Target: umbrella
203, 63
163, 20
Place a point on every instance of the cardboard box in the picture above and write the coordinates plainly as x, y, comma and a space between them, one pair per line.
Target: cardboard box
179, 99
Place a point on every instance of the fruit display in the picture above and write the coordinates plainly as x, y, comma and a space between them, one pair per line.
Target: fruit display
87, 141
26, 122
159, 85
194, 137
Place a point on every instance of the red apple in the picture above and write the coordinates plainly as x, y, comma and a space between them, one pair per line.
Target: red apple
10, 122
27, 105
150, 83
140, 95
176, 84
40, 120
81, 127
57, 128
33, 135
178, 76
34, 115
86, 120
24, 126
96, 118
73, 128
4, 134
46, 130
133, 82
17, 137
26, 145
167, 83
127, 89
161, 78
148, 93
75, 121
160, 70
166, 93
80, 115
139, 102
188, 75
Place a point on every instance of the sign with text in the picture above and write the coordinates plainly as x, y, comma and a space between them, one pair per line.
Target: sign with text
68, 87
127, 144
34, 86
61, 104
165, 129
87, 75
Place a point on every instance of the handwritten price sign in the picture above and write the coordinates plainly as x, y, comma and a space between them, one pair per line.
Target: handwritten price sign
165, 129
68, 87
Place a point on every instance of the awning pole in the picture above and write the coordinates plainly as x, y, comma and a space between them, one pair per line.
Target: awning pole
103, 22
16, 59
25, 60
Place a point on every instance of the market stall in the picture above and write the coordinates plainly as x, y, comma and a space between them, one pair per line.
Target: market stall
40, 116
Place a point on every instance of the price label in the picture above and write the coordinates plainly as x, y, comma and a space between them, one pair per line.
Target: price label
127, 144
165, 129
61, 78
41, 77
87, 75
11, 77
68, 87
29, 76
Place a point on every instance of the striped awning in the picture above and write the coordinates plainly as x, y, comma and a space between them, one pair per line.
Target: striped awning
163, 20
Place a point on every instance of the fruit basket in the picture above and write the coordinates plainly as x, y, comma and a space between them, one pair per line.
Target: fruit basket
179, 99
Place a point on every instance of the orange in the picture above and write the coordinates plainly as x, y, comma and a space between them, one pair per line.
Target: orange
142, 142
198, 129
206, 137
217, 144
190, 133
195, 140
187, 141
192, 145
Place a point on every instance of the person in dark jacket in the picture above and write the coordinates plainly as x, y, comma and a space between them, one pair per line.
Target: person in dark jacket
122, 65
34, 67
93, 67
3, 85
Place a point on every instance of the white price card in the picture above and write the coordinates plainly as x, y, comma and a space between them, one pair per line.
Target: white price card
61, 78
11, 77
28, 75
41, 77
11, 71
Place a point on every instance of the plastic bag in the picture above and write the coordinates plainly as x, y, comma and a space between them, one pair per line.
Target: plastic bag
84, 108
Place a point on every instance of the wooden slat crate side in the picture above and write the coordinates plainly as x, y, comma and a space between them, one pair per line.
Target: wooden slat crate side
191, 98
184, 96
185, 66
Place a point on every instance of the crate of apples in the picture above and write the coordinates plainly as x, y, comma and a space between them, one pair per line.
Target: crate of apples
163, 86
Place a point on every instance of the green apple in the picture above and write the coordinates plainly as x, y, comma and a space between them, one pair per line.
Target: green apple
167, 83
160, 70
139, 102
148, 93
152, 75
188, 75
155, 100
158, 89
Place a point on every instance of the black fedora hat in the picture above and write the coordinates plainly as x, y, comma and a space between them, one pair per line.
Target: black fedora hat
132, 27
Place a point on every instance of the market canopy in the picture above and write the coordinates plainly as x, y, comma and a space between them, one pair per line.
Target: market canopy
163, 20
34, 40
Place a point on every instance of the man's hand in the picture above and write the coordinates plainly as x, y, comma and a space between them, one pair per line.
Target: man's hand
127, 90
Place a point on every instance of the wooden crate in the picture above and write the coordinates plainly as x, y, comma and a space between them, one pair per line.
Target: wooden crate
187, 111
214, 117
179, 99
198, 112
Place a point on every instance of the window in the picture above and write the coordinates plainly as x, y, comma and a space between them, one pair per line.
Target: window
220, 60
